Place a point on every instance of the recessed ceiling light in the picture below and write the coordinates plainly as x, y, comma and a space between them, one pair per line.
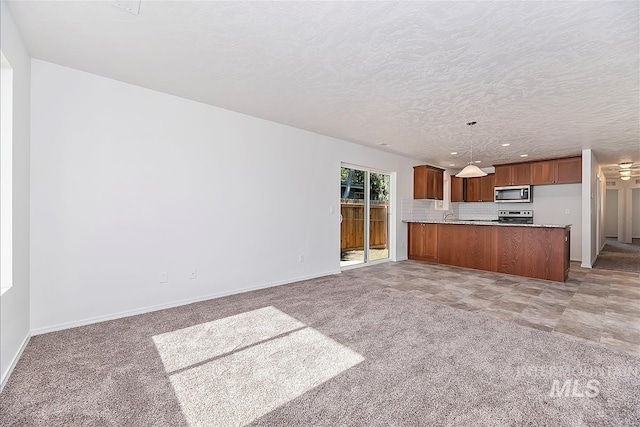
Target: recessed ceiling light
477, 161
506, 145
453, 153
625, 178
452, 164
524, 155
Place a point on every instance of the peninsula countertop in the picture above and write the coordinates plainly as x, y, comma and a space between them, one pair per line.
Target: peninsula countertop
477, 222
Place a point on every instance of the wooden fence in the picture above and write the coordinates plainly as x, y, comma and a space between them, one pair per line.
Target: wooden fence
352, 227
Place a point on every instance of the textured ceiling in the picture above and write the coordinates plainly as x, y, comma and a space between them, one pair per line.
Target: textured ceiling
550, 78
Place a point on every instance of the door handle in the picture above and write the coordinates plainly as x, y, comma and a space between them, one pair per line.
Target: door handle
340, 218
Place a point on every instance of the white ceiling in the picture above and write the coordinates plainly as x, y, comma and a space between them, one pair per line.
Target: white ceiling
550, 78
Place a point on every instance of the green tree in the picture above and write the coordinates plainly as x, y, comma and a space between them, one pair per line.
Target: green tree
379, 183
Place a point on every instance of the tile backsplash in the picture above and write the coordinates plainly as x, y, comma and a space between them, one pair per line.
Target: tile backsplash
485, 211
420, 210
424, 210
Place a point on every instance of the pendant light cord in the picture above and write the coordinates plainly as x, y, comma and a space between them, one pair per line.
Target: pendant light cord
471, 142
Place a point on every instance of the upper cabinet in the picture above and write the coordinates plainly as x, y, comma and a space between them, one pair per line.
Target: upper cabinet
514, 174
457, 189
559, 171
487, 185
480, 189
428, 182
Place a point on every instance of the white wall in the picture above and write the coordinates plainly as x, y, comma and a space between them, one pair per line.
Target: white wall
550, 206
627, 199
592, 205
14, 304
625, 209
128, 182
635, 213
611, 214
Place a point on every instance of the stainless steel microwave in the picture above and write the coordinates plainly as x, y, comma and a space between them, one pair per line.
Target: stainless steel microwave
513, 194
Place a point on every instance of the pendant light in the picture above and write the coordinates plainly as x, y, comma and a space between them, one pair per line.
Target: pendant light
471, 170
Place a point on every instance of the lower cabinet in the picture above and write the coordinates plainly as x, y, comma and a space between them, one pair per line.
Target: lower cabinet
423, 241
542, 253
465, 245
538, 252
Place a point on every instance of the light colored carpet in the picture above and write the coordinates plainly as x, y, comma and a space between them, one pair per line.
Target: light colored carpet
330, 351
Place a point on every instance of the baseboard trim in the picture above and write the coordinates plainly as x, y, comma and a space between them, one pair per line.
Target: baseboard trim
14, 362
404, 258
143, 310
593, 261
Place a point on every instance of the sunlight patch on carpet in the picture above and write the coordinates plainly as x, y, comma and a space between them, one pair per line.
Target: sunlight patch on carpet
234, 370
186, 347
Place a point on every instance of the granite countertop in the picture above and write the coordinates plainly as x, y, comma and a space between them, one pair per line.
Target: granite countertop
500, 224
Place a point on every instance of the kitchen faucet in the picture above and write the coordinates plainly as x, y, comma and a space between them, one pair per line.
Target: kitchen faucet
446, 215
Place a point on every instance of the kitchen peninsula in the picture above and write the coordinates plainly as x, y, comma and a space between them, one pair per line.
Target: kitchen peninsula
529, 250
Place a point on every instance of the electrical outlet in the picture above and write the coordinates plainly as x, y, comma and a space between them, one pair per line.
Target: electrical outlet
331, 209
164, 277
192, 273
301, 258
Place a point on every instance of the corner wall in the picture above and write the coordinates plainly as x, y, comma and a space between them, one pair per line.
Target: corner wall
593, 207
14, 304
128, 183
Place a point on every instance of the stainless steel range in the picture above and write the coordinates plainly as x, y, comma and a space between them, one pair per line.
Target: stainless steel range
515, 217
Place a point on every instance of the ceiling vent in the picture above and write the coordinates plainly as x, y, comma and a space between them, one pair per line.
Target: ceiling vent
131, 6
637, 181
611, 183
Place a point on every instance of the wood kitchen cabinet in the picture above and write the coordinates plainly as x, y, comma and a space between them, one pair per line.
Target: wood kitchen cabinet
487, 183
465, 245
480, 189
542, 253
458, 189
428, 182
423, 241
513, 174
558, 171
473, 190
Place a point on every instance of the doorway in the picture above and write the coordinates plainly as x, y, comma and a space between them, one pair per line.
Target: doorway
365, 196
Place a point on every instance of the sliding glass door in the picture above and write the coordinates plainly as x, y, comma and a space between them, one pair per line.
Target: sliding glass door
364, 216
378, 216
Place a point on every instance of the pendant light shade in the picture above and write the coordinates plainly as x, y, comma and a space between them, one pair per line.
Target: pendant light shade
471, 170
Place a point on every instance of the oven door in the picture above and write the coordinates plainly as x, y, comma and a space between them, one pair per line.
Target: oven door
515, 220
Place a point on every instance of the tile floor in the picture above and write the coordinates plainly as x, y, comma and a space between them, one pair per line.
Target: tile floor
599, 306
